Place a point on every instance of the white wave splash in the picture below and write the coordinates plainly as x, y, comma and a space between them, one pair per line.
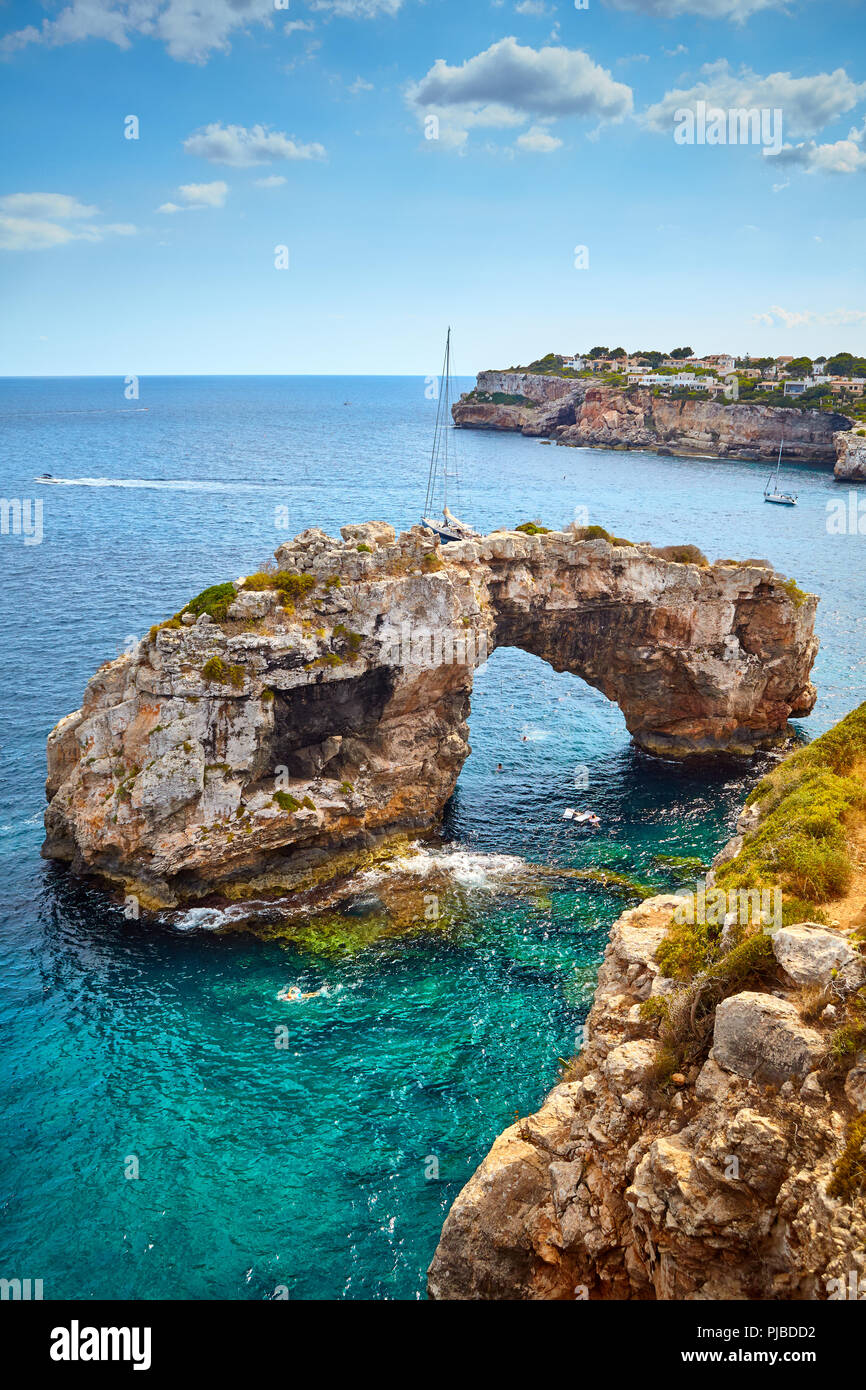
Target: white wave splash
469, 868
208, 918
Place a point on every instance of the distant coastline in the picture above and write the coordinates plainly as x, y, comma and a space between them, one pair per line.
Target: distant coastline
583, 411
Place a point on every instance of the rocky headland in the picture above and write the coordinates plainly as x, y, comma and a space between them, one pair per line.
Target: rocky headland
278, 726
851, 455
709, 1141
580, 413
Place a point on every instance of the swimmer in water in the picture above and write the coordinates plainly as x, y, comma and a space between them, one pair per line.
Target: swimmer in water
290, 994
499, 767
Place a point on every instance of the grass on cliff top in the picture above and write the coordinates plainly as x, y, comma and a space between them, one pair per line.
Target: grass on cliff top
598, 533
797, 595
214, 601
497, 398
290, 586
810, 805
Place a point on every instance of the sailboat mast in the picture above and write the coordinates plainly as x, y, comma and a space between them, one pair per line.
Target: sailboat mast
437, 433
447, 407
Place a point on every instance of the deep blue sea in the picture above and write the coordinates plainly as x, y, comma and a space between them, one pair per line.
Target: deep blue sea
311, 1168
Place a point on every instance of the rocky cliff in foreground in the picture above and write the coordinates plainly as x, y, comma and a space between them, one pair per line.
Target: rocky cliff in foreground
578, 412
278, 723
710, 1140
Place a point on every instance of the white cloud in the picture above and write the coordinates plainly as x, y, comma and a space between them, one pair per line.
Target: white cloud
272, 181
534, 7
191, 30
509, 82
198, 195
807, 103
537, 140
837, 157
357, 9
235, 145
208, 195
801, 318
27, 234
359, 85
39, 221
738, 10
54, 206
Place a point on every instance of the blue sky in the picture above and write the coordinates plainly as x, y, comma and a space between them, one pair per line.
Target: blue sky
304, 126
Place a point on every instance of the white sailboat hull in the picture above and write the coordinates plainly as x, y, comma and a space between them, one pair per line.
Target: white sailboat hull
781, 499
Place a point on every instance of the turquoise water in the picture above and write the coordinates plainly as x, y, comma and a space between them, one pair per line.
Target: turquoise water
325, 1166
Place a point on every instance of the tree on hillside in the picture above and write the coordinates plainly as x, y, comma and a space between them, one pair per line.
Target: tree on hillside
618, 352
598, 352
845, 364
679, 353
800, 366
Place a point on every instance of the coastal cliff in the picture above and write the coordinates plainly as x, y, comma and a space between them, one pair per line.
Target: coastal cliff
578, 412
709, 1140
851, 456
276, 725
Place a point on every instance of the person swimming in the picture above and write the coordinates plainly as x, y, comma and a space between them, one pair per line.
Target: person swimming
290, 994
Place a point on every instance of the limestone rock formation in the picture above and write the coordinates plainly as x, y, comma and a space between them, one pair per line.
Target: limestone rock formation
850, 455
579, 412
277, 724
764, 1039
811, 954
718, 1184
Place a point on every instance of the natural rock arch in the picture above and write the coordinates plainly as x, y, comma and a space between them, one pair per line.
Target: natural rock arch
257, 751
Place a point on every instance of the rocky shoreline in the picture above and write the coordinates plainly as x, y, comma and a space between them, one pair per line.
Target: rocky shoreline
741, 1175
579, 413
279, 727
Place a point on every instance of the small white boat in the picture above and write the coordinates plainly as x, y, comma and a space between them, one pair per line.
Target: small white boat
581, 817
782, 499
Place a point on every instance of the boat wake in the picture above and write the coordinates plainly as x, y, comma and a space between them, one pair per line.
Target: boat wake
164, 484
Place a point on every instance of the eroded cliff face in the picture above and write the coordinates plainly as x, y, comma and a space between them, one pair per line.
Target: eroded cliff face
637, 419
579, 413
716, 1185
311, 720
851, 455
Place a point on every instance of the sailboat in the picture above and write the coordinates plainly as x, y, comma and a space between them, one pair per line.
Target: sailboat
450, 527
772, 494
